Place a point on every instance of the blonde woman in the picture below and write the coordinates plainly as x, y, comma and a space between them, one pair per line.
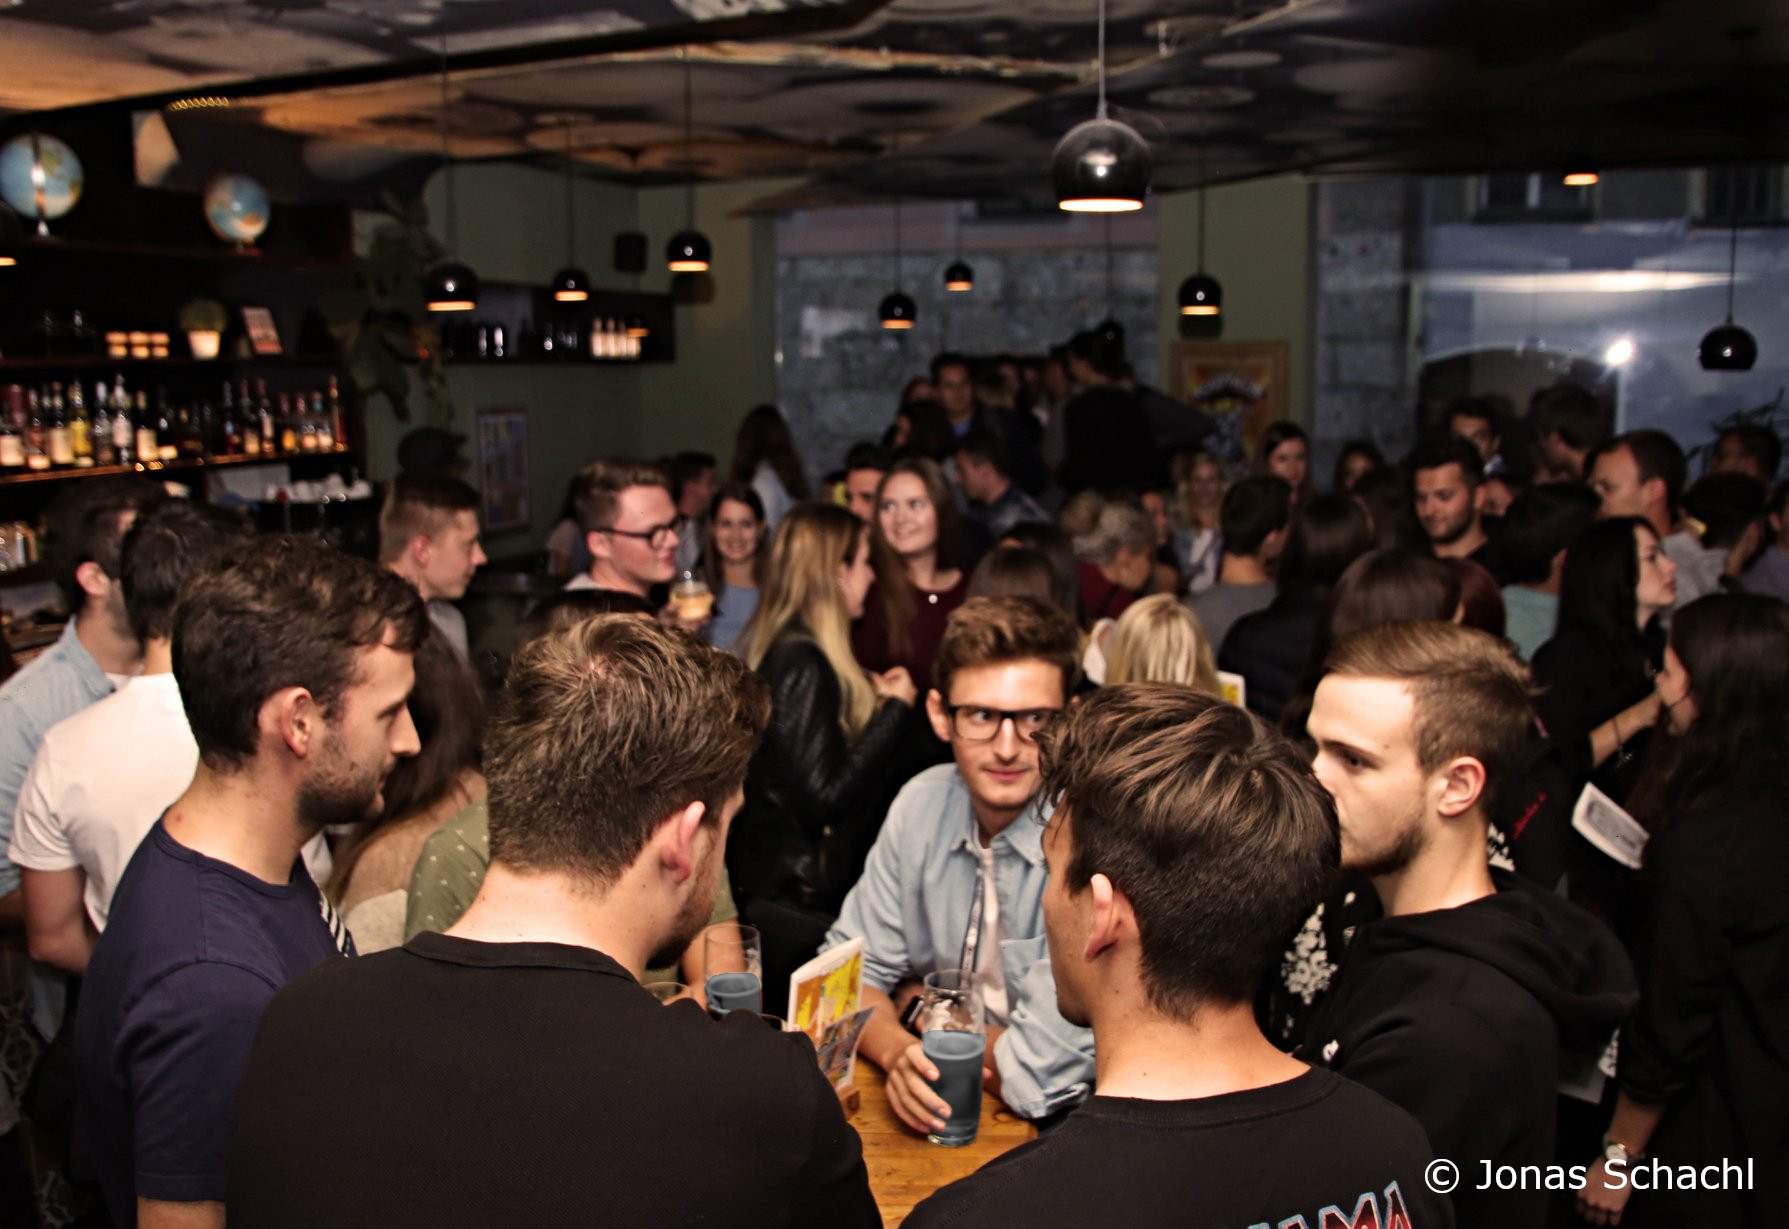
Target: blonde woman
819, 784
1158, 640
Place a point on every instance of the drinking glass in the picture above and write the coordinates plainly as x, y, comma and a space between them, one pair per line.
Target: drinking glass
667, 991
953, 1031
732, 969
691, 596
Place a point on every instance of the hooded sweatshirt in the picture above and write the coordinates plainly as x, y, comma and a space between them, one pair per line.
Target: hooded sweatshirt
1461, 1016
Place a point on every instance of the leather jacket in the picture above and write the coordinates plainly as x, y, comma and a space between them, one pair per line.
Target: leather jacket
813, 798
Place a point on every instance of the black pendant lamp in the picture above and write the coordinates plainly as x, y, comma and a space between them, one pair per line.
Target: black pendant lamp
451, 286
1200, 294
689, 250
897, 311
1729, 347
958, 276
571, 284
12, 237
1101, 166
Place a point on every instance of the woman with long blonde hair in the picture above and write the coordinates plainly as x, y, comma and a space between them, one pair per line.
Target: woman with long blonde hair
817, 789
1158, 640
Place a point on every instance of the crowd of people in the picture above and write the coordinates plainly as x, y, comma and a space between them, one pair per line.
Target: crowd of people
1299, 837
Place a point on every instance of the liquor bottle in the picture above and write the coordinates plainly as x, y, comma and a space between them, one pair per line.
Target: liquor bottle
288, 423
37, 435
310, 410
62, 450
167, 446
498, 349
103, 451
189, 437
264, 422
338, 425
80, 427
123, 430
148, 446
12, 430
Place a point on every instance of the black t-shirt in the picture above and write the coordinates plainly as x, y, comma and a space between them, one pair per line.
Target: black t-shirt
452, 1083
1266, 1156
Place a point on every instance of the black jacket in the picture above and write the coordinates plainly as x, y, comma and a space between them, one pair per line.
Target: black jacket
1710, 1039
1271, 649
1460, 1017
813, 798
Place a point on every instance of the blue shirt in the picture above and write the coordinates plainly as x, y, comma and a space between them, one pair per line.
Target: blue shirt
1529, 618
191, 954
58, 683
733, 606
912, 909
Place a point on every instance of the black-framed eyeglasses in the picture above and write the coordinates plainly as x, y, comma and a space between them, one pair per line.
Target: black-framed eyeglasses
977, 724
658, 537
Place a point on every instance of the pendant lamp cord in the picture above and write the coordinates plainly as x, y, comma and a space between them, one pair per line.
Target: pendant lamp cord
689, 148
1203, 138
571, 234
897, 220
453, 228
1102, 59
1732, 245
1108, 221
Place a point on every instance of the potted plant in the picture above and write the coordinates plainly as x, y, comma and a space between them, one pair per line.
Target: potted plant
203, 321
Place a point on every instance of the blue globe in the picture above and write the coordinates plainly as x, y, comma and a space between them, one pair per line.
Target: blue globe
236, 207
38, 164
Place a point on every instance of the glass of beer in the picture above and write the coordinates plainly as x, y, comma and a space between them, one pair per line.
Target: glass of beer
691, 596
732, 969
953, 1031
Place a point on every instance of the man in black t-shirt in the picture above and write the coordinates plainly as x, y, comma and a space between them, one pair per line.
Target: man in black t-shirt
1187, 842
1447, 491
513, 1071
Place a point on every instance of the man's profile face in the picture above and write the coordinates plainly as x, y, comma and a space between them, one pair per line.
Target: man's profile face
454, 554
1002, 772
860, 492
637, 561
1366, 759
1481, 433
1445, 504
1730, 457
1065, 920
1616, 480
361, 740
955, 393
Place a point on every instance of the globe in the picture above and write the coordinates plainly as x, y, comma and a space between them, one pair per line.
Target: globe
236, 207
37, 163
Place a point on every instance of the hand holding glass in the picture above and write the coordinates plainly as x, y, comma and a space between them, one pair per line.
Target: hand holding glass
953, 1031
732, 969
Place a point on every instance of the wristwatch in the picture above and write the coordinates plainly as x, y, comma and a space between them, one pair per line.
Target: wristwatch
1615, 1150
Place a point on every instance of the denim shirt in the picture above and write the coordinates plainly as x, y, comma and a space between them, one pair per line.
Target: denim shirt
58, 683
912, 909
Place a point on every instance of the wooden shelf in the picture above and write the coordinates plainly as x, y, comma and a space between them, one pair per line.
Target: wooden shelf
34, 248
171, 467
88, 362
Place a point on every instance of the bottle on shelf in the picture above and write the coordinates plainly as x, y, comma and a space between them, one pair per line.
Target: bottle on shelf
12, 430
103, 451
338, 424
288, 421
123, 430
229, 434
62, 451
310, 419
37, 434
80, 427
167, 446
189, 438
264, 423
148, 445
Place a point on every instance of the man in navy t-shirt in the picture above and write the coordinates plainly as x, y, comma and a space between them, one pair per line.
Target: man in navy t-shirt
294, 666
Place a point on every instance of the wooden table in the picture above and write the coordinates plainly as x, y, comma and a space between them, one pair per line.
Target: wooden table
903, 1167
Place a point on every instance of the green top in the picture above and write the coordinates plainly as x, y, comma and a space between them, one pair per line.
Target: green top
453, 864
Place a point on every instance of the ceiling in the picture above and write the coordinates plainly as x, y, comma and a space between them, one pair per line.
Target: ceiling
948, 98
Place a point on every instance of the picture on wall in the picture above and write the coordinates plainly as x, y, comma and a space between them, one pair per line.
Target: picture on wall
502, 443
1241, 385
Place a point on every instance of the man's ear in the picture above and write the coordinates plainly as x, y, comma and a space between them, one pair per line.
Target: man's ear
940, 719
1462, 786
93, 581
592, 541
676, 838
292, 716
1111, 919
1653, 490
1478, 498
420, 550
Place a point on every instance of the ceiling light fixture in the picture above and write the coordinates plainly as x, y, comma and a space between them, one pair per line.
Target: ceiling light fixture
571, 284
1728, 347
1200, 294
689, 250
958, 276
451, 286
1101, 166
897, 310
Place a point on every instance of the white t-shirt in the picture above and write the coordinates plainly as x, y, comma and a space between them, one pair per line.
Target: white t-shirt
100, 781
990, 969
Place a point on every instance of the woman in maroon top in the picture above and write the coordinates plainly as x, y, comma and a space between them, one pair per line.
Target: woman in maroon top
921, 578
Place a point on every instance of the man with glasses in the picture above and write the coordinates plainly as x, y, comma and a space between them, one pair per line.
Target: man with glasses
630, 529
956, 877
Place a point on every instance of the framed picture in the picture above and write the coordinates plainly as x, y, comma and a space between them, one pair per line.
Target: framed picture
261, 334
502, 443
1240, 384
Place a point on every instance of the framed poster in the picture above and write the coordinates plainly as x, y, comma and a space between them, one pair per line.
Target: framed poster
265, 338
1240, 384
502, 445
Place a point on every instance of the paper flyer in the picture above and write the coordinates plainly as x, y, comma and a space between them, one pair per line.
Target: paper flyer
825, 1002
1602, 822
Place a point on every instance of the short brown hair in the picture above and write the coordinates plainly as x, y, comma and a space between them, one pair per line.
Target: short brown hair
988, 630
280, 611
606, 728
600, 483
1471, 694
418, 505
1209, 822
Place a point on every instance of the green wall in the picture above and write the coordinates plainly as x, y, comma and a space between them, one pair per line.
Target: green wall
1258, 244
